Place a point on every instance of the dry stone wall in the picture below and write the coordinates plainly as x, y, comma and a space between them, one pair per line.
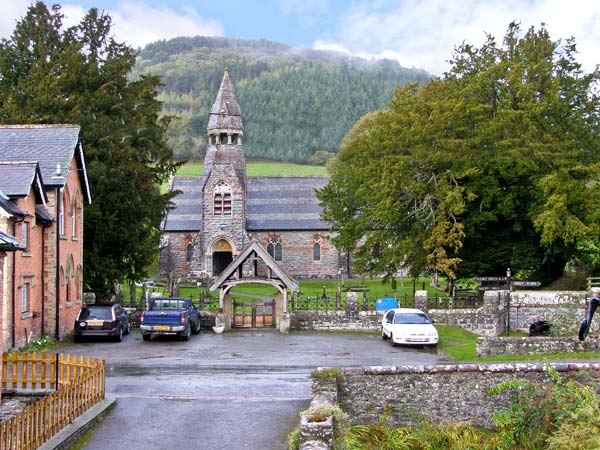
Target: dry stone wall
443, 393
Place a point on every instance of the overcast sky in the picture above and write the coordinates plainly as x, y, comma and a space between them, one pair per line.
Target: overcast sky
417, 33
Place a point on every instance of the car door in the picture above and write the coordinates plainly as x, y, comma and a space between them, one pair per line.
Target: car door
121, 317
387, 321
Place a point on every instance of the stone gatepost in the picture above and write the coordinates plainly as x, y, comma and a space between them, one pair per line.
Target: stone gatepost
284, 322
352, 304
421, 301
494, 313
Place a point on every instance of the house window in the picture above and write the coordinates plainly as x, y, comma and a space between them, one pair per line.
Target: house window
222, 199
74, 207
274, 248
24, 297
61, 217
317, 247
25, 235
189, 252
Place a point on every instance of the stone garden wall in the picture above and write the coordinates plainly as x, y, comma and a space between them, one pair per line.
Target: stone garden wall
491, 346
564, 310
444, 393
487, 320
335, 321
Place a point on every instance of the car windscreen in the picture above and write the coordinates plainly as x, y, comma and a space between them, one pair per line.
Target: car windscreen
95, 313
169, 304
411, 318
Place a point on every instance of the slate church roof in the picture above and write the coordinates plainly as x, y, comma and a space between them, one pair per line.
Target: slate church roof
272, 203
186, 213
284, 203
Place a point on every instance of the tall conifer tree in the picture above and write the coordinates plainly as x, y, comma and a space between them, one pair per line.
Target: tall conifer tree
80, 75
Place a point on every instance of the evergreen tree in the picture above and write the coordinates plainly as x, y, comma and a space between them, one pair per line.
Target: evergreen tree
49, 74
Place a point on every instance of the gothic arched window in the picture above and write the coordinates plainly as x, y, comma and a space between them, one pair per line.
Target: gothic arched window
189, 252
274, 247
222, 199
317, 247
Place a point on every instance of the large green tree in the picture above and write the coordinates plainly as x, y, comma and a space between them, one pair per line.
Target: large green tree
494, 165
80, 75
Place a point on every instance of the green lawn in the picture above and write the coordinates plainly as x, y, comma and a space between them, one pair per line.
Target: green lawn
459, 345
261, 169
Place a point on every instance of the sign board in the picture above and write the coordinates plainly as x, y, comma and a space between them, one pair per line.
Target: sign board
492, 288
490, 278
526, 283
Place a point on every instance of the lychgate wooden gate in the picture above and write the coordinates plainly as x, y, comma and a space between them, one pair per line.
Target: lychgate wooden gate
254, 314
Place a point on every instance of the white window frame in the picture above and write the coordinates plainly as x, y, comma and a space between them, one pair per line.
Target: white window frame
25, 297
61, 216
25, 235
74, 222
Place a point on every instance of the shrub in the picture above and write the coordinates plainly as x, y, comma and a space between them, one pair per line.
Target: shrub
332, 373
40, 344
538, 410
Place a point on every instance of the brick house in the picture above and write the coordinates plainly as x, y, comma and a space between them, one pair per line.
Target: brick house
217, 215
44, 181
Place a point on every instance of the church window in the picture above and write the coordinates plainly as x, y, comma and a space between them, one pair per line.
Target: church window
189, 252
317, 247
222, 199
274, 248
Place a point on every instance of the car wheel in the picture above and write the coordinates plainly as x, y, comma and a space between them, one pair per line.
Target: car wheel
127, 329
383, 336
119, 336
146, 337
186, 334
196, 328
392, 340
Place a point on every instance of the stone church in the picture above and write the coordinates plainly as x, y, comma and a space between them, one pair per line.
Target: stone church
216, 216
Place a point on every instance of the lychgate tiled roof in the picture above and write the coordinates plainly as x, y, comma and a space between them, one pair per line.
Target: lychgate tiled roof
284, 203
186, 214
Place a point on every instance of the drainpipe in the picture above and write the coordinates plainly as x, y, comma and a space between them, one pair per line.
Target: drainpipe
57, 258
43, 281
14, 288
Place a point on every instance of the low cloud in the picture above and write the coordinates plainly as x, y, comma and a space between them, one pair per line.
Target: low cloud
138, 24
134, 22
424, 33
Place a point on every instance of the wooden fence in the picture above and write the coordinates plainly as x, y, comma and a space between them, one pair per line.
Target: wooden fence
77, 382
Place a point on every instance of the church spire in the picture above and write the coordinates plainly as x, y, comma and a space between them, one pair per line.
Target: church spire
225, 119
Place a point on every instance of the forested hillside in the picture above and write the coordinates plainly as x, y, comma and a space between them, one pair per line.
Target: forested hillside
294, 102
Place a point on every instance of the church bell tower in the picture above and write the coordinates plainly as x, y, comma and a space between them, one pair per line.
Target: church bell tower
224, 187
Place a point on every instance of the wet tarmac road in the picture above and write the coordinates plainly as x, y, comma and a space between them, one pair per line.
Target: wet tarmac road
241, 389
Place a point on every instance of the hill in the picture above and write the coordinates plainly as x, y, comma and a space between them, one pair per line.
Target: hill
294, 101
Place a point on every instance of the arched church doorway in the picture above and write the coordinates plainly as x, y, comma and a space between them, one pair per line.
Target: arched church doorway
222, 256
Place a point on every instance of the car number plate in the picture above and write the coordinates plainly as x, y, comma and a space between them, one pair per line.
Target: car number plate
162, 328
95, 323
